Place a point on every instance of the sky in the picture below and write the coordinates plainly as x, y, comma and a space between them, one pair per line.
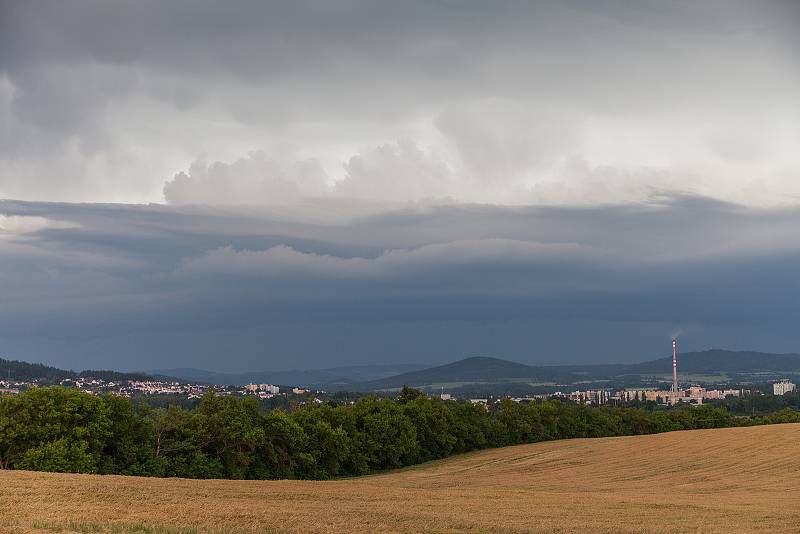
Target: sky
271, 185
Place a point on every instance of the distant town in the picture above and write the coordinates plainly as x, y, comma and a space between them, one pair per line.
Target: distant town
650, 390
133, 388
691, 395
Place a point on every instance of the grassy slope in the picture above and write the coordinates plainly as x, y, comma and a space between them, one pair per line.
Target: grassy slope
727, 480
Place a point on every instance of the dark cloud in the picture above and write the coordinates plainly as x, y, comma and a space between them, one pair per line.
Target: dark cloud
351, 180
131, 286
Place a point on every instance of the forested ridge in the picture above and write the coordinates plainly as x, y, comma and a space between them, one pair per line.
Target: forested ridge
58, 429
19, 370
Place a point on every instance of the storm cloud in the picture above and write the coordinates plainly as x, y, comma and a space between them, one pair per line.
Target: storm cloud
132, 286
271, 185
509, 102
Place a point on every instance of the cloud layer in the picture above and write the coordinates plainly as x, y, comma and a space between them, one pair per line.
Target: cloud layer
354, 181
518, 102
134, 286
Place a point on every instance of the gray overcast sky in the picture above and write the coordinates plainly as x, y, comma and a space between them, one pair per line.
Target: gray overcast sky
344, 182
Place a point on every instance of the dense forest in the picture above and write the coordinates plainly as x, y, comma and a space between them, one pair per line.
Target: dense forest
17, 370
58, 429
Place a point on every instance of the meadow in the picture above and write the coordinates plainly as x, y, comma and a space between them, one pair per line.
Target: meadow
718, 480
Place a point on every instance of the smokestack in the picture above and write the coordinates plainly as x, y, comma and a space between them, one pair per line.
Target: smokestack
674, 371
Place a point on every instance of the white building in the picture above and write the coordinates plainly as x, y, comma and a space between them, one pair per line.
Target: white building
783, 387
269, 388
255, 388
633, 394
599, 396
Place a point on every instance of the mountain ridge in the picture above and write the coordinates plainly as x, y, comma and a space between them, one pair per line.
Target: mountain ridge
22, 370
342, 375
475, 369
499, 370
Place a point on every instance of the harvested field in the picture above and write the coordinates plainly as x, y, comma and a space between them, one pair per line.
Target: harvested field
726, 480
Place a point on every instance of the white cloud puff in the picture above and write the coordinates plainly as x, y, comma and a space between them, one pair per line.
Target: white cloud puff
255, 179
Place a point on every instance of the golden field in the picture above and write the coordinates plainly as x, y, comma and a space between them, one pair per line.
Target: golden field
726, 480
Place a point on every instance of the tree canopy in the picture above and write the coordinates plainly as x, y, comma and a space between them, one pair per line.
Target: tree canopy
58, 429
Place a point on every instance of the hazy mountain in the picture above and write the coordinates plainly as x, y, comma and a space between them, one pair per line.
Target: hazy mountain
717, 360
484, 369
475, 370
334, 376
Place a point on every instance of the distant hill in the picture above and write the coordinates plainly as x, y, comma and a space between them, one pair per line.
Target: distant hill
116, 376
339, 377
716, 360
475, 370
485, 369
18, 370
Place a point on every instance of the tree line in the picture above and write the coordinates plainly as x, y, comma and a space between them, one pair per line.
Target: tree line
65, 430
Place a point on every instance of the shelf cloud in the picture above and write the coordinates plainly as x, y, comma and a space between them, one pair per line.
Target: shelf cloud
311, 183
127, 286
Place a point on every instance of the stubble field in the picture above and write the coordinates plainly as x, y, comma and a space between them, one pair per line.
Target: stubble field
726, 480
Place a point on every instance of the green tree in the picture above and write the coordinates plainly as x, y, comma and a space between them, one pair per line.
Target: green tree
433, 424
283, 452
383, 434
230, 431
